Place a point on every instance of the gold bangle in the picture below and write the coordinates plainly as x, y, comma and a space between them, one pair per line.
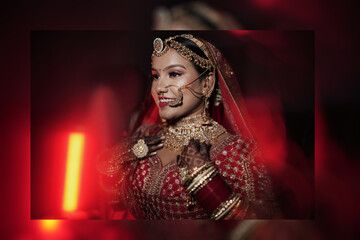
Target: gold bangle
226, 206
195, 191
234, 213
198, 178
201, 179
203, 167
196, 172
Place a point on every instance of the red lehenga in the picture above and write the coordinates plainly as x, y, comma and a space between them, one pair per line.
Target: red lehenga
152, 191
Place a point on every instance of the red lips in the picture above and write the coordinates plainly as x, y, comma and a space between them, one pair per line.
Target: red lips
163, 104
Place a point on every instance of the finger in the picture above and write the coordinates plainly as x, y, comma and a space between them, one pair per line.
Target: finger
204, 149
136, 135
188, 161
194, 144
191, 150
178, 161
184, 151
153, 140
150, 139
183, 154
152, 154
197, 144
156, 147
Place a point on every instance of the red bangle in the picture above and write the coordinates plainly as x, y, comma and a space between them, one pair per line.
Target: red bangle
213, 194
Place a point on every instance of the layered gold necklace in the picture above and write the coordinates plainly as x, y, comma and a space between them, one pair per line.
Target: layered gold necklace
200, 127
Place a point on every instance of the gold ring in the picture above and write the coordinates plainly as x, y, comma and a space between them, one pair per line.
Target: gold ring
140, 149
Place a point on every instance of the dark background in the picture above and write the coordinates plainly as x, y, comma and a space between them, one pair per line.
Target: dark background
336, 96
70, 70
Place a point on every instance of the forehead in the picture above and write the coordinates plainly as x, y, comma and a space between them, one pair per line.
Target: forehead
171, 57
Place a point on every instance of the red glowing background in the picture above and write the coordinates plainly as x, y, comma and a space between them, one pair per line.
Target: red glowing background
92, 81
336, 115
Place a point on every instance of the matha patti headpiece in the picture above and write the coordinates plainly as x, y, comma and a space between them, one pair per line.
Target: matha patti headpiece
160, 48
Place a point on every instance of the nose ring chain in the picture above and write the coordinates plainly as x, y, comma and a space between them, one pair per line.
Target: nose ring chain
178, 100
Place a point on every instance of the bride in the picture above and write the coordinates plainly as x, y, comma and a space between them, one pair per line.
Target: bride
192, 155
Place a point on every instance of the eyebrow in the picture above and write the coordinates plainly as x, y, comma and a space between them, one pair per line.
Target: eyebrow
171, 66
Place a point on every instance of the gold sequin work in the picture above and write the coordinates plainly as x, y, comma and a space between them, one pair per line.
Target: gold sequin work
177, 136
153, 191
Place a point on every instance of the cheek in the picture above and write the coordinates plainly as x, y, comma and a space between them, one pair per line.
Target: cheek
153, 89
190, 100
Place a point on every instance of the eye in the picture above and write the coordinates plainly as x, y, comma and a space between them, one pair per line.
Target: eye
155, 76
174, 74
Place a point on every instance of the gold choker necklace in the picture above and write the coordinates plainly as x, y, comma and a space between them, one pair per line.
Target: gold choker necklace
199, 127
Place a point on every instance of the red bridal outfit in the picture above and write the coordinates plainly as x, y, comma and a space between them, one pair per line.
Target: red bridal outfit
149, 190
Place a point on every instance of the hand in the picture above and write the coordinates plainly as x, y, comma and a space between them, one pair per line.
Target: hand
195, 154
154, 143
139, 148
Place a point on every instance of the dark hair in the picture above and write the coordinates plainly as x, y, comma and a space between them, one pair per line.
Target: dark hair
195, 48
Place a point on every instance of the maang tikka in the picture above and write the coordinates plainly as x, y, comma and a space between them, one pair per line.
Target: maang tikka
161, 47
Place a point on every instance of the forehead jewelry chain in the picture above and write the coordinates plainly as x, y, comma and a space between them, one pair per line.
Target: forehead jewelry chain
161, 47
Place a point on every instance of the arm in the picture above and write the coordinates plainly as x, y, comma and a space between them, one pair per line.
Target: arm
118, 163
243, 170
235, 188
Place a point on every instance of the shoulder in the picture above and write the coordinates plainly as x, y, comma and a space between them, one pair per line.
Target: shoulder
109, 160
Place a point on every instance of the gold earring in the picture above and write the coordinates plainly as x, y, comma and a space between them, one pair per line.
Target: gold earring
218, 97
204, 92
205, 116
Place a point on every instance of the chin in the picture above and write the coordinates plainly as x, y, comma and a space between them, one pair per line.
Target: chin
168, 114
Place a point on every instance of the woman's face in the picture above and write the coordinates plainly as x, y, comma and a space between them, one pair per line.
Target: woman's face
170, 72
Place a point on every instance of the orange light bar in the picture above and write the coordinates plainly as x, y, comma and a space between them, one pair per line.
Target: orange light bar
73, 171
49, 225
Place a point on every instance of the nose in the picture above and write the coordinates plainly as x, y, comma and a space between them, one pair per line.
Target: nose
161, 85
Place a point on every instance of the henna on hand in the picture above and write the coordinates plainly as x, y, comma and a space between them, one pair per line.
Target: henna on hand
153, 143
195, 154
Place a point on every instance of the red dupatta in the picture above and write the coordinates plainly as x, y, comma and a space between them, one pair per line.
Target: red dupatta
230, 113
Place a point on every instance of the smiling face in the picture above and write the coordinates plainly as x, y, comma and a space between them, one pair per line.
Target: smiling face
170, 72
